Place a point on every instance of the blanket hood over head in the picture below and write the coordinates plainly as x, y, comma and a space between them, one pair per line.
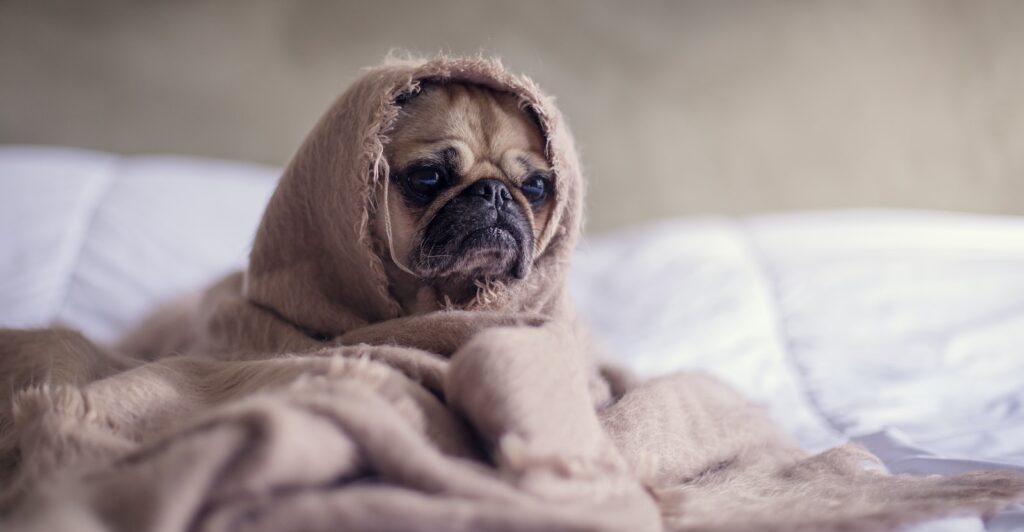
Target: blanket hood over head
314, 262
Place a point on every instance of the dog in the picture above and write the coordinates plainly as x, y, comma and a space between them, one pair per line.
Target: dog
457, 220
469, 192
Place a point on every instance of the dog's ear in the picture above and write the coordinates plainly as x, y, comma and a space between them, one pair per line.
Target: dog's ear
404, 97
415, 90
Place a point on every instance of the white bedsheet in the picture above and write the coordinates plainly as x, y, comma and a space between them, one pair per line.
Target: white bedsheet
901, 330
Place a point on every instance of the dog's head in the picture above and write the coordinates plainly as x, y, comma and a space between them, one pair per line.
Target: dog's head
470, 190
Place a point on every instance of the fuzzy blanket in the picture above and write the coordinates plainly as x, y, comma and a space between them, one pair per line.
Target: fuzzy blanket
297, 396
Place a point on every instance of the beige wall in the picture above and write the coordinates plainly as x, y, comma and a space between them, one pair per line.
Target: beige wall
680, 107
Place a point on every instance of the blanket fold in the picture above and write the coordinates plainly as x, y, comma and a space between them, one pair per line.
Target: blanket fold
297, 396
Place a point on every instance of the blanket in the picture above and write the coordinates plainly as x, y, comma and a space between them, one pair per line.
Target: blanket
295, 395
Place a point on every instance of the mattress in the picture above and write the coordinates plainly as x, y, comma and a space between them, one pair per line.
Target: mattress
903, 331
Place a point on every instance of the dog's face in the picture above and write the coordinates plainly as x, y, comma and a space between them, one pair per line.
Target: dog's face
470, 190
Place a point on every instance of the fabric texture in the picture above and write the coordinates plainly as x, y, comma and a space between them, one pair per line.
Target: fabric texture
304, 400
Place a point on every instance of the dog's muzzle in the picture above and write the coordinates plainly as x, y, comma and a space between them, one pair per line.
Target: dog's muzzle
482, 232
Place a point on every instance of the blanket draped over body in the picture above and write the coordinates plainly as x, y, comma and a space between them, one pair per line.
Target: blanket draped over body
297, 396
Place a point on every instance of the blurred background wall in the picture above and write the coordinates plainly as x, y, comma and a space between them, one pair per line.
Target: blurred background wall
679, 107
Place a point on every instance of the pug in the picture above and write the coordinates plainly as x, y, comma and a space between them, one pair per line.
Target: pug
469, 192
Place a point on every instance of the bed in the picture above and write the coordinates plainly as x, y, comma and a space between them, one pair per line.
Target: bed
901, 330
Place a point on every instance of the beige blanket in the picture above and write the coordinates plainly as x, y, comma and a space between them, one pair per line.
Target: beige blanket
296, 396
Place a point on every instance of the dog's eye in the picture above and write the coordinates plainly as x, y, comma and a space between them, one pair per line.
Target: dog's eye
536, 188
424, 182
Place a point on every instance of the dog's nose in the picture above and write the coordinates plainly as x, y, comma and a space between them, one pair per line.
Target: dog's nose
492, 190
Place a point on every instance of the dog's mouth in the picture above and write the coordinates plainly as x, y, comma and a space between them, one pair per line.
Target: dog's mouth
487, 238
488, 252
461, 249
